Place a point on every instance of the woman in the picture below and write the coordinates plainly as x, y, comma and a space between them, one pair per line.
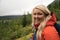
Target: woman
43, 21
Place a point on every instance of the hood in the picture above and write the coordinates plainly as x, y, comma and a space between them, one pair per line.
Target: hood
52, 20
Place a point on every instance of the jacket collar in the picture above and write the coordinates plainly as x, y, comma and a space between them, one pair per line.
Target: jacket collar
52, 20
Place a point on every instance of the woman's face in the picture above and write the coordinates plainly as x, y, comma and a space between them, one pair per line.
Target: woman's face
38, 16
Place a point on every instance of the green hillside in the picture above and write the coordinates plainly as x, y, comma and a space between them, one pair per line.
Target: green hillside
11, 27
55, 7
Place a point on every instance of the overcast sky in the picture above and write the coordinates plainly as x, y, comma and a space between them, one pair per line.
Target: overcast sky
18, 7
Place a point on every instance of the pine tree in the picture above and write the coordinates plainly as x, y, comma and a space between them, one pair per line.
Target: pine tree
24, 22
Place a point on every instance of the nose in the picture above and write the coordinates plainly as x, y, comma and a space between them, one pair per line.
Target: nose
36, 16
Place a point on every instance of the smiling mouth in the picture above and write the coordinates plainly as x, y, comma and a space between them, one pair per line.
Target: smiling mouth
37, 20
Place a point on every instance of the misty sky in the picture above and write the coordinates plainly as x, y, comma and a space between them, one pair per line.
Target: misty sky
18, 7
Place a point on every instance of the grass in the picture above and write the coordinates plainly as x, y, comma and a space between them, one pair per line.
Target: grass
27, 32
25, 37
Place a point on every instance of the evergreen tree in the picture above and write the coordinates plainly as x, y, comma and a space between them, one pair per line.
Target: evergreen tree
24, 22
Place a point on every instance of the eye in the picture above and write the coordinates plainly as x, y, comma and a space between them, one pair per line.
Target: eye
34, 13
39, 13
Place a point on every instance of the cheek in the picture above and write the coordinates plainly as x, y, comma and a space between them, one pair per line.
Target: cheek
41, 17
34, 17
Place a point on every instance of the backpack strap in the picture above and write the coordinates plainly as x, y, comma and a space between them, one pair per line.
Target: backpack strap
57, 27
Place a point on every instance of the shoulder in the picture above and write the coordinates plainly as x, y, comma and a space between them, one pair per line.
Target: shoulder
50, 33
50, 29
